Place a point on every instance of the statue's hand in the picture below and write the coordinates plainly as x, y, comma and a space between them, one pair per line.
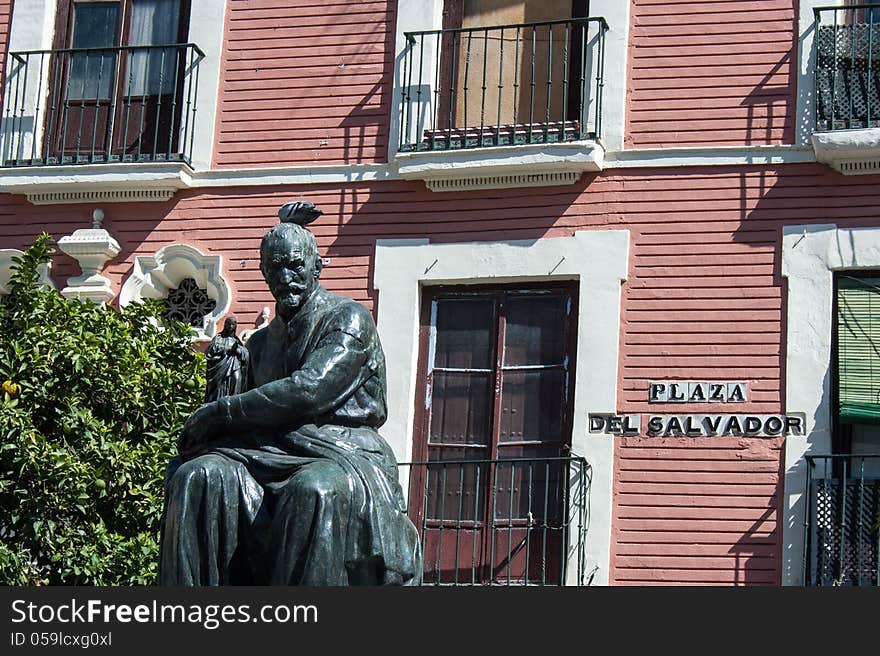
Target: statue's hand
198, 430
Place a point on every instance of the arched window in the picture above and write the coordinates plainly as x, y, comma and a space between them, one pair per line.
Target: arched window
189, 282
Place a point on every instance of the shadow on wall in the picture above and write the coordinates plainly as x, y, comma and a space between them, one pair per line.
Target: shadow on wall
757, 551
407, 210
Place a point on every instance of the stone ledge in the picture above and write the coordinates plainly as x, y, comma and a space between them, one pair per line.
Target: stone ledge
502, 166
89, 183
850, 152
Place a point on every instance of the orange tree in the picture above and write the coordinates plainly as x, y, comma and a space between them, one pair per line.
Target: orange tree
91, 400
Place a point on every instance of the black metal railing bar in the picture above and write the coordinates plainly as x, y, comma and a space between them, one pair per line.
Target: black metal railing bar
841, 541
502, 85
516, 521
847, 52
105, 104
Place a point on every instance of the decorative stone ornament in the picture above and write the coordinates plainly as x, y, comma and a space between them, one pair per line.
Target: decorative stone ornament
92, 248
159, 275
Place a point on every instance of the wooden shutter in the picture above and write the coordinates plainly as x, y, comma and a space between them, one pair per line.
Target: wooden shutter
858, 349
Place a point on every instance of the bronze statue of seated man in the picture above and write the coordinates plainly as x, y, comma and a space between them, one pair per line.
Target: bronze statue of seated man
289, 482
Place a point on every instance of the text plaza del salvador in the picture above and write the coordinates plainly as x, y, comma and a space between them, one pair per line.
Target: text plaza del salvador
699, 425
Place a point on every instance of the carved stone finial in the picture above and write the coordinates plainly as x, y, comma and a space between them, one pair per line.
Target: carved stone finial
97, 218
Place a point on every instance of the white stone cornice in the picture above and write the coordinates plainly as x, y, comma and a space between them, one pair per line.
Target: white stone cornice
159, 181
502, 166
88, 183
851, 152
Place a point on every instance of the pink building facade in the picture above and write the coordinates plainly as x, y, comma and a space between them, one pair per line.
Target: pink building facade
681, 179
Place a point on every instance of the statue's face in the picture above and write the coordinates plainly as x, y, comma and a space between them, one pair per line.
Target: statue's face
289, 273
230, 326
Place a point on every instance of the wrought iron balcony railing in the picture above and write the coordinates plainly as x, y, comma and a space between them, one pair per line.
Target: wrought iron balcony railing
503, 85
96, 105
515, 521
847, 80
841, 540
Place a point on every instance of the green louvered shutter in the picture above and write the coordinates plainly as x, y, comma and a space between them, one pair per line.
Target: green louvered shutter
858, 349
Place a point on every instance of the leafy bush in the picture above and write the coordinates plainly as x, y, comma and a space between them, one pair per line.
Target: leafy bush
91, 400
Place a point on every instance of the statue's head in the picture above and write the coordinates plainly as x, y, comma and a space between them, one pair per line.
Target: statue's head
290, 264
230, 327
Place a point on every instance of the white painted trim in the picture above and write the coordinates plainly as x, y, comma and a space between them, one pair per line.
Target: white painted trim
616, 74
810, 255
295, 175
32, 28
500, 162
412, 16
6, 264
805, 106
153, 276
207, 31
709, 156
597, 259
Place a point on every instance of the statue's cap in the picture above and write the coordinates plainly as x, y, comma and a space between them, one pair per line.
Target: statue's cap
301, 212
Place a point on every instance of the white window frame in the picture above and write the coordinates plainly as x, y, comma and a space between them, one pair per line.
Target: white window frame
423, 15
597, 259
810, 256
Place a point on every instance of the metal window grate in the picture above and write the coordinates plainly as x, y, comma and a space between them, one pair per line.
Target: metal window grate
842, 542
847, 80
100, 105
502, 85
189, 303
510, 522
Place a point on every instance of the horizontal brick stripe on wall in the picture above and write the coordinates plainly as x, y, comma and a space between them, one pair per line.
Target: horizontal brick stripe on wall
718, 72
704, 301
305, 83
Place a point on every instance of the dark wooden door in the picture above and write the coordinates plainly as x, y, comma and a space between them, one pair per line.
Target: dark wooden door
495, 434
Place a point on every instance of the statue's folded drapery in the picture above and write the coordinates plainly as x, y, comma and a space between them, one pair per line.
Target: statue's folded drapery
353, 513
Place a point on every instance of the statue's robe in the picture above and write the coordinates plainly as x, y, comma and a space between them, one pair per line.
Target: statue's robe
226, 367
297, 487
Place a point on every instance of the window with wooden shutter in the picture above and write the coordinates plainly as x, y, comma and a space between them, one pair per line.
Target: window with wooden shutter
858, 349
494, 433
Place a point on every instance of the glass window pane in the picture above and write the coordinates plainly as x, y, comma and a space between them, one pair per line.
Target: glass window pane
465, 333
532, 404
95, 25
91, 74
153, 22
535, 331
461, 408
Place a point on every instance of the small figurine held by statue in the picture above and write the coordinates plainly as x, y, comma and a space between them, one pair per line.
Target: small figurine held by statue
227, 365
